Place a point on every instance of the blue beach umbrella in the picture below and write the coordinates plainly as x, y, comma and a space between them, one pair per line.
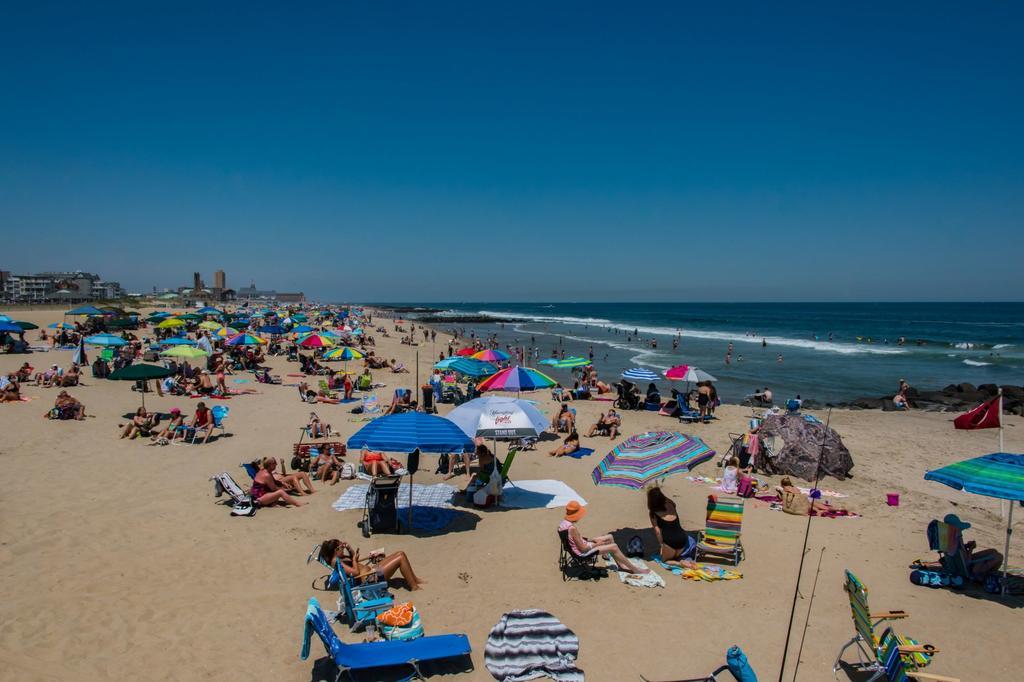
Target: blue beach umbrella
473, 368
86, 310
105, 340
10, 328
640, 374
177, 341
272, 329
410, 431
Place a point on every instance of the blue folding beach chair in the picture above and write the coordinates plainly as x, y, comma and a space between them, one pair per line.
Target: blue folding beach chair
352, 658
361, 604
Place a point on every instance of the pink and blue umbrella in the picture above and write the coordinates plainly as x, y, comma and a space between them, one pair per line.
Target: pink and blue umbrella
244, 339
651, 456
491, 355
516, 379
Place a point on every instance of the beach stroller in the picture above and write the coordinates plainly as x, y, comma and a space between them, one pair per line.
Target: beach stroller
721, 535
376, 655
380, 513
579, 566
736, 663
871, 649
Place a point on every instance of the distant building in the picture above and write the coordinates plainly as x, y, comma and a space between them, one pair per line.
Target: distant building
47, 287
251, 293
219, 280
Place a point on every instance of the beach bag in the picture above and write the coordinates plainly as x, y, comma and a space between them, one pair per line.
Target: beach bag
348, 471
443, 464
400, 623
745, 487
739, 666
635, 547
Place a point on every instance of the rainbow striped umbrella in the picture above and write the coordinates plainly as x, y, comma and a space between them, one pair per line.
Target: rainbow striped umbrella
647, 457
244, 340
491, 355
225, 332
343, 353
516, 379
315, 341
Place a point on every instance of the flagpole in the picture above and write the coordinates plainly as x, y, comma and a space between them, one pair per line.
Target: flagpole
1000, 415
1009, 515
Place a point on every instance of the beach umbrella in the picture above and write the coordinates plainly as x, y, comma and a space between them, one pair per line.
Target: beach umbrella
61, 325
272, 329
105, 340
5, 318
210, 325
25, 326
184, 352
244, 340
640, 374
467, 351
571, 363
177, 341
999, 475
410, 431
651, 456
86, 310
209, 310
299, 317
225, 332
140, 372
315, 341
10, 328
516, 379
499, 417
688, 373
302, 329
343, 353
469, 367
170, 324
491, 355
549, 361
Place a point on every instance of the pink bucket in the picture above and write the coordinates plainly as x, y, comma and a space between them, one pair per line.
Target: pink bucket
892, 499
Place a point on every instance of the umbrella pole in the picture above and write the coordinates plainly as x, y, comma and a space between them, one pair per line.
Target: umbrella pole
1006, 549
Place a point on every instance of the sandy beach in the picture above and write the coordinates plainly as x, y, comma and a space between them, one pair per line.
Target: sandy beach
119, 563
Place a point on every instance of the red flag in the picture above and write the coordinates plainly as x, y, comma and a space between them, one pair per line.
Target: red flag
984, 416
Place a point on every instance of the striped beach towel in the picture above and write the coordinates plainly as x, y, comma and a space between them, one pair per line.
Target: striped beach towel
528, 644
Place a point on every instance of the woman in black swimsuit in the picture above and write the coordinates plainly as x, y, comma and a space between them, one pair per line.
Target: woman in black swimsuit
676, 546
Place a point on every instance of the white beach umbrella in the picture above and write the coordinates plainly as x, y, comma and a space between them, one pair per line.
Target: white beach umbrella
499, 417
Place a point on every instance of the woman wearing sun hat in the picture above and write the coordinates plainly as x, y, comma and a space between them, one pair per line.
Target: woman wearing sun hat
603, 544
979, 563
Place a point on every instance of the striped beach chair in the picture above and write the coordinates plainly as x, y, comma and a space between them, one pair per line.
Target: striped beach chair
896, 668
870, 647
721, 535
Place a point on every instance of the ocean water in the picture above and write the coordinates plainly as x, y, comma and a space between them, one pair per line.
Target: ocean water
829, 352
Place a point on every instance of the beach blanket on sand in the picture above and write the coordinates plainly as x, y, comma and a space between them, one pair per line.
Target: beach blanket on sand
651, 579
581, 453
530, 644
703, 572
543, 494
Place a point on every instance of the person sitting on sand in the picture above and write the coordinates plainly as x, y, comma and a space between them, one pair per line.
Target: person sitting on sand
677, 547
564, 421
142, 423
570, 445
374, 463
293, 481
317, 429
70, 377
326, 466
899, 401
311, 396
979, 563
10, 390
612, 423
377, 564
202, 420
176, 422
602, 544
24, 373
267, 491
66, 407
47, 378
794, 501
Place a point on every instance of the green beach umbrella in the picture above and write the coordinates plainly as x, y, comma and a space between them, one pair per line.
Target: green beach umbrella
140, 372
184, 352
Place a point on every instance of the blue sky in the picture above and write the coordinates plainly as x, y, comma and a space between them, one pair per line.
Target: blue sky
547, 151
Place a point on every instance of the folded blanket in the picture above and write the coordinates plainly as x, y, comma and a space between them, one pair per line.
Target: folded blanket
651, 579
528, 644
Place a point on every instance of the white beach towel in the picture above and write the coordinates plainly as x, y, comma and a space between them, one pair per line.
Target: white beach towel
542, 494
651, 579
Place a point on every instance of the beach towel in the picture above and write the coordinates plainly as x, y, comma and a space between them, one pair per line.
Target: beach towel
530, 644
432, 508
542, 494
703, 572
581, 453
651, 579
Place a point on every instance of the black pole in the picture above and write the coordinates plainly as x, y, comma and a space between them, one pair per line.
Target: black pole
803, 552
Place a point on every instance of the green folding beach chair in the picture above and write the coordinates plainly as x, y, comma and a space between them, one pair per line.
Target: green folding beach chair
870, 647
896, 669
721, 535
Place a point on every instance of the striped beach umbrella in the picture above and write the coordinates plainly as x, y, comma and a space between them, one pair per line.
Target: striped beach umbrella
571, 363
315, 341
651, 456
999, 475
640, 374
516, 379
468, 366
343, 353
491, 355
226, 332
244, 340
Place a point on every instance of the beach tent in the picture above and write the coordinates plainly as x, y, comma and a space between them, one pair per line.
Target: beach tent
803, 438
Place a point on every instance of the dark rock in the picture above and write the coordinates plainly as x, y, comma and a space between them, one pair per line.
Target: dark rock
950, 389
966, 388
990, 390
1013, 392
868, 403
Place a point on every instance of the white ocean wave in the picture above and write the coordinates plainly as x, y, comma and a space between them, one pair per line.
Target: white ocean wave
544, 318
1000, 346
977, 363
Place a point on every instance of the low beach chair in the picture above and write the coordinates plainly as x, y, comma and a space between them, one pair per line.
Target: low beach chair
327, 389
721, 535
871, 654
896, 669
361, 603
735, 663
351, 658
242, 503
579, 566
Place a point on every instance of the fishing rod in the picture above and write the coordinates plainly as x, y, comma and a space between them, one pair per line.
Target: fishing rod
807, 621
803, 552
